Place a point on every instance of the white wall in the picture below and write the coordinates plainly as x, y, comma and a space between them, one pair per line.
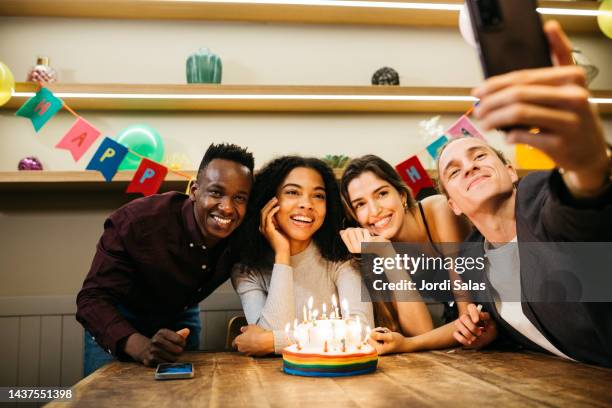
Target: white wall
111, 51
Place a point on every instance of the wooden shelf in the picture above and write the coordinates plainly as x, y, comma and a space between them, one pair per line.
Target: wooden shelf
315, 14
88, 180
190, 97
85, 180
244, 98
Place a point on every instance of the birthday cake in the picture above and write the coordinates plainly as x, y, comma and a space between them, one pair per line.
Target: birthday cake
328, 347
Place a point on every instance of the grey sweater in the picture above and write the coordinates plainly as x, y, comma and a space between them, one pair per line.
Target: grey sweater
271, 298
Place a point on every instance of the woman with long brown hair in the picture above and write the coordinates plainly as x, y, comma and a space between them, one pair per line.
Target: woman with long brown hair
378, 200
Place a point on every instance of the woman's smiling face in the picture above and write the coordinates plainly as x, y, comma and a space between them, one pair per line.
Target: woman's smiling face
378, 206
302, 202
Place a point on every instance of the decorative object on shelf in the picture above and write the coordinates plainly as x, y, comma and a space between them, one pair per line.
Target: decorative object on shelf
7, 83
530, 158
434, 147
204, 67
465, 26
79, 138
143, 140
177, 161
385, 76
107, 158
464, 128
148, 178
429, 131
110, 153
413, 173
336, 161
605, 18
42, 71
583, 61
40, 108
30, 163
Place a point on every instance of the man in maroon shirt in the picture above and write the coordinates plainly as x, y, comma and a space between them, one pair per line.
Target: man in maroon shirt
158, 257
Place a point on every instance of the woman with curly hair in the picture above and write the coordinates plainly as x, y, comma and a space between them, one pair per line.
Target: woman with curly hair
291, 250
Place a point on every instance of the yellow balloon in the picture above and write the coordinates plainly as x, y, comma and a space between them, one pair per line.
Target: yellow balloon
528, 157
7, 83
605, 18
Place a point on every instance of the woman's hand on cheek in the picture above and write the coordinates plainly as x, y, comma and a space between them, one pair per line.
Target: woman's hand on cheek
354, 237
269, 228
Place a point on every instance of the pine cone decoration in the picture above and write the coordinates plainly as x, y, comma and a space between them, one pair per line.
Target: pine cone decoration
385, 76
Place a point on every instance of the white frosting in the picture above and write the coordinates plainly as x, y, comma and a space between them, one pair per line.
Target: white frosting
336, 336
365, 349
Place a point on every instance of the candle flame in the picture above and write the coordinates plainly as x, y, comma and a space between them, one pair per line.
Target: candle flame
334, 301
310, 300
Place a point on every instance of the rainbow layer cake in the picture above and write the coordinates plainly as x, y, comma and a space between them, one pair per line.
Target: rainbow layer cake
330, 364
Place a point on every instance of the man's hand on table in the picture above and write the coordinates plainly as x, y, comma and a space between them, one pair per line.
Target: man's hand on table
475, 329
254, 341
165, 347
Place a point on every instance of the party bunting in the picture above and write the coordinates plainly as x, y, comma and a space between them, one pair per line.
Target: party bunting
107, 158
464, 127
148, 178
414, 174
79, 138
434, 148
40, 108
150, 175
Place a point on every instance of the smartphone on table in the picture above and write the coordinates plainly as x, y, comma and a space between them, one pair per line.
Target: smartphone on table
174, 371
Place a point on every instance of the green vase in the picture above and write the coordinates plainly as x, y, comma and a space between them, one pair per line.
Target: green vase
204, 67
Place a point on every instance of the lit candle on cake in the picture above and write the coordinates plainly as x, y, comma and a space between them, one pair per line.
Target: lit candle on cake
345, 309
287, 326
310, 300
358, 327
335, 306
367, 335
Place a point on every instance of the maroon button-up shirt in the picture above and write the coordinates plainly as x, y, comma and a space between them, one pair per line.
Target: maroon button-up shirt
151, 259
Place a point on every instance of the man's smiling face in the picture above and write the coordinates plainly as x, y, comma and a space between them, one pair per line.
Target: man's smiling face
473, 174
220, 198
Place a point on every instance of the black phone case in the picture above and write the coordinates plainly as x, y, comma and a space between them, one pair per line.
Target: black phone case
518, 42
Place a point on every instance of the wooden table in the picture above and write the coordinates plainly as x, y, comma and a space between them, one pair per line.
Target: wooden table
432, 379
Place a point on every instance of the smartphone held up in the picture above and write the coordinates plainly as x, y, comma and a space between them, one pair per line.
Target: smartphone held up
509, 35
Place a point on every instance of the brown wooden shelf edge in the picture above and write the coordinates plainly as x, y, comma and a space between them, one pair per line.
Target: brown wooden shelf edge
275, 13
265, 98
88, 180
